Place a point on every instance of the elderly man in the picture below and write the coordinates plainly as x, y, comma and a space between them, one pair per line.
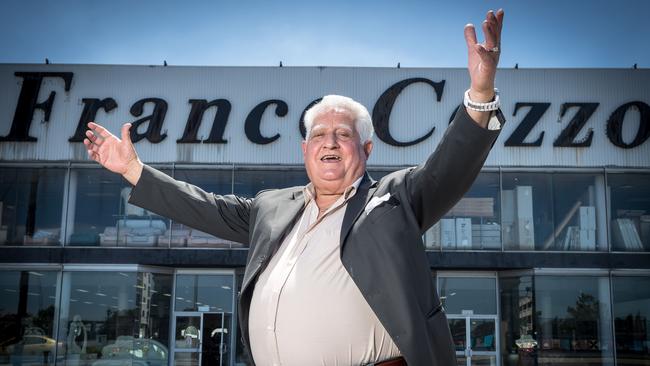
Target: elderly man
336, 272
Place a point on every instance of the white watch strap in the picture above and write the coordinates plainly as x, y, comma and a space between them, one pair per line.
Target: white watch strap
482, 107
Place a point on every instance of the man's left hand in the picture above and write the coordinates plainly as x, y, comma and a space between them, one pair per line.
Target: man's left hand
483, 58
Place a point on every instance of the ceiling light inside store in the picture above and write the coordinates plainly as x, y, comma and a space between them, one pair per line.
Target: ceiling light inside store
35, 273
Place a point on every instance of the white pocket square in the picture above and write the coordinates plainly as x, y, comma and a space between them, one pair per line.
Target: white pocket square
376, 201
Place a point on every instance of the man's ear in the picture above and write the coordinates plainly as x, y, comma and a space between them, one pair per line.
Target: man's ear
304, 148
367, 148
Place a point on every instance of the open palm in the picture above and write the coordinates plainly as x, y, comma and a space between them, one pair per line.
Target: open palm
107, 149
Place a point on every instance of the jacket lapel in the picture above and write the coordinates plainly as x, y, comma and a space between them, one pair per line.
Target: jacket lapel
286, 212
366, 190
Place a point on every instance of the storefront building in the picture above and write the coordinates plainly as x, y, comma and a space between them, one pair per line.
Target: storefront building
546, 260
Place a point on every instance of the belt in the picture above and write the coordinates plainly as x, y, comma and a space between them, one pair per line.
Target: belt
400, 361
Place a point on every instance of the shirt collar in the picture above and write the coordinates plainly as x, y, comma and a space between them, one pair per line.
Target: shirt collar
309, 192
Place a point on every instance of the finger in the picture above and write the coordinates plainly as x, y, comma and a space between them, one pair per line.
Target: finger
499, 16
490, 17
92, 137
99, 130
470, 36
126, 135
489, 30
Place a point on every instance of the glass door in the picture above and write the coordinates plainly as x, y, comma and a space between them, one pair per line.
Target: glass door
470, 301
474, 340
187, 338
202, 339
215, 339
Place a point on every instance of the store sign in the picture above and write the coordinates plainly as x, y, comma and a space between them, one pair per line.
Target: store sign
149, 115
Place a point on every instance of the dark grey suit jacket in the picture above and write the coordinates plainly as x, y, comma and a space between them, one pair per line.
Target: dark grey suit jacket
382, 250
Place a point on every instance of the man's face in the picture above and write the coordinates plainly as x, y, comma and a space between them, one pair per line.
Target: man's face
333, 153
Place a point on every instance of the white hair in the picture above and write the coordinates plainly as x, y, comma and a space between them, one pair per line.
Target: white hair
339, 103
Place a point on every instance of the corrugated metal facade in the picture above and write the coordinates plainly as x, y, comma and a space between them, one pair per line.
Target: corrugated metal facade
414, 113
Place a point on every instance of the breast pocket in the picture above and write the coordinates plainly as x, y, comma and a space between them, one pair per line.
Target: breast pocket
385, 209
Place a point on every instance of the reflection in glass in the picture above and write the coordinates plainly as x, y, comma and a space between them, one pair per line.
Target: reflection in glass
27, 308
484, 360
579, 221
461, 295
188, 332
215, 344
458, 333
527, 213
631, 296
630, 211
211, 293
31, 203
103, 216
474, 222
573, 321
214, 181
186, 359
483, 332
108, 318
517, 309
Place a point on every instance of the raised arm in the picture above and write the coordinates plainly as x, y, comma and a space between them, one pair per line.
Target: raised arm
437, 184
225, 216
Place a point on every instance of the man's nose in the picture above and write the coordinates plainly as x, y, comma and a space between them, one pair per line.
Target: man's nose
331, 141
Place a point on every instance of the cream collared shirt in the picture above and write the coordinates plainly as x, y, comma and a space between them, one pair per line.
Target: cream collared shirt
306, 309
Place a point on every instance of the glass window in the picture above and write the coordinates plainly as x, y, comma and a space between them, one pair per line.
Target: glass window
579, 212
27, 323
110, 317
630, 211
217, 181
517, 309
468, 295
250, 181
31, 203
204, 293
573, 320
100, 214
631, 297
527, 214
474, 222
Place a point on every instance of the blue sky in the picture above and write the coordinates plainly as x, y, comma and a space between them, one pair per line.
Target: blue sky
538, 33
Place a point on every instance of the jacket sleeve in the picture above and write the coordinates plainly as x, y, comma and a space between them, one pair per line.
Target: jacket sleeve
436, 185
224, 216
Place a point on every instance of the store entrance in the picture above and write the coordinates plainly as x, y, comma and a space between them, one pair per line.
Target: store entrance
470, 301
201, 339
203, 326
474, 339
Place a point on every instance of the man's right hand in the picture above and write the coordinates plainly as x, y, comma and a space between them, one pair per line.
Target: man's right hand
116, 155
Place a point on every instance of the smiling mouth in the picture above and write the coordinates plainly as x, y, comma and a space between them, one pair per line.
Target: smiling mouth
330, 158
